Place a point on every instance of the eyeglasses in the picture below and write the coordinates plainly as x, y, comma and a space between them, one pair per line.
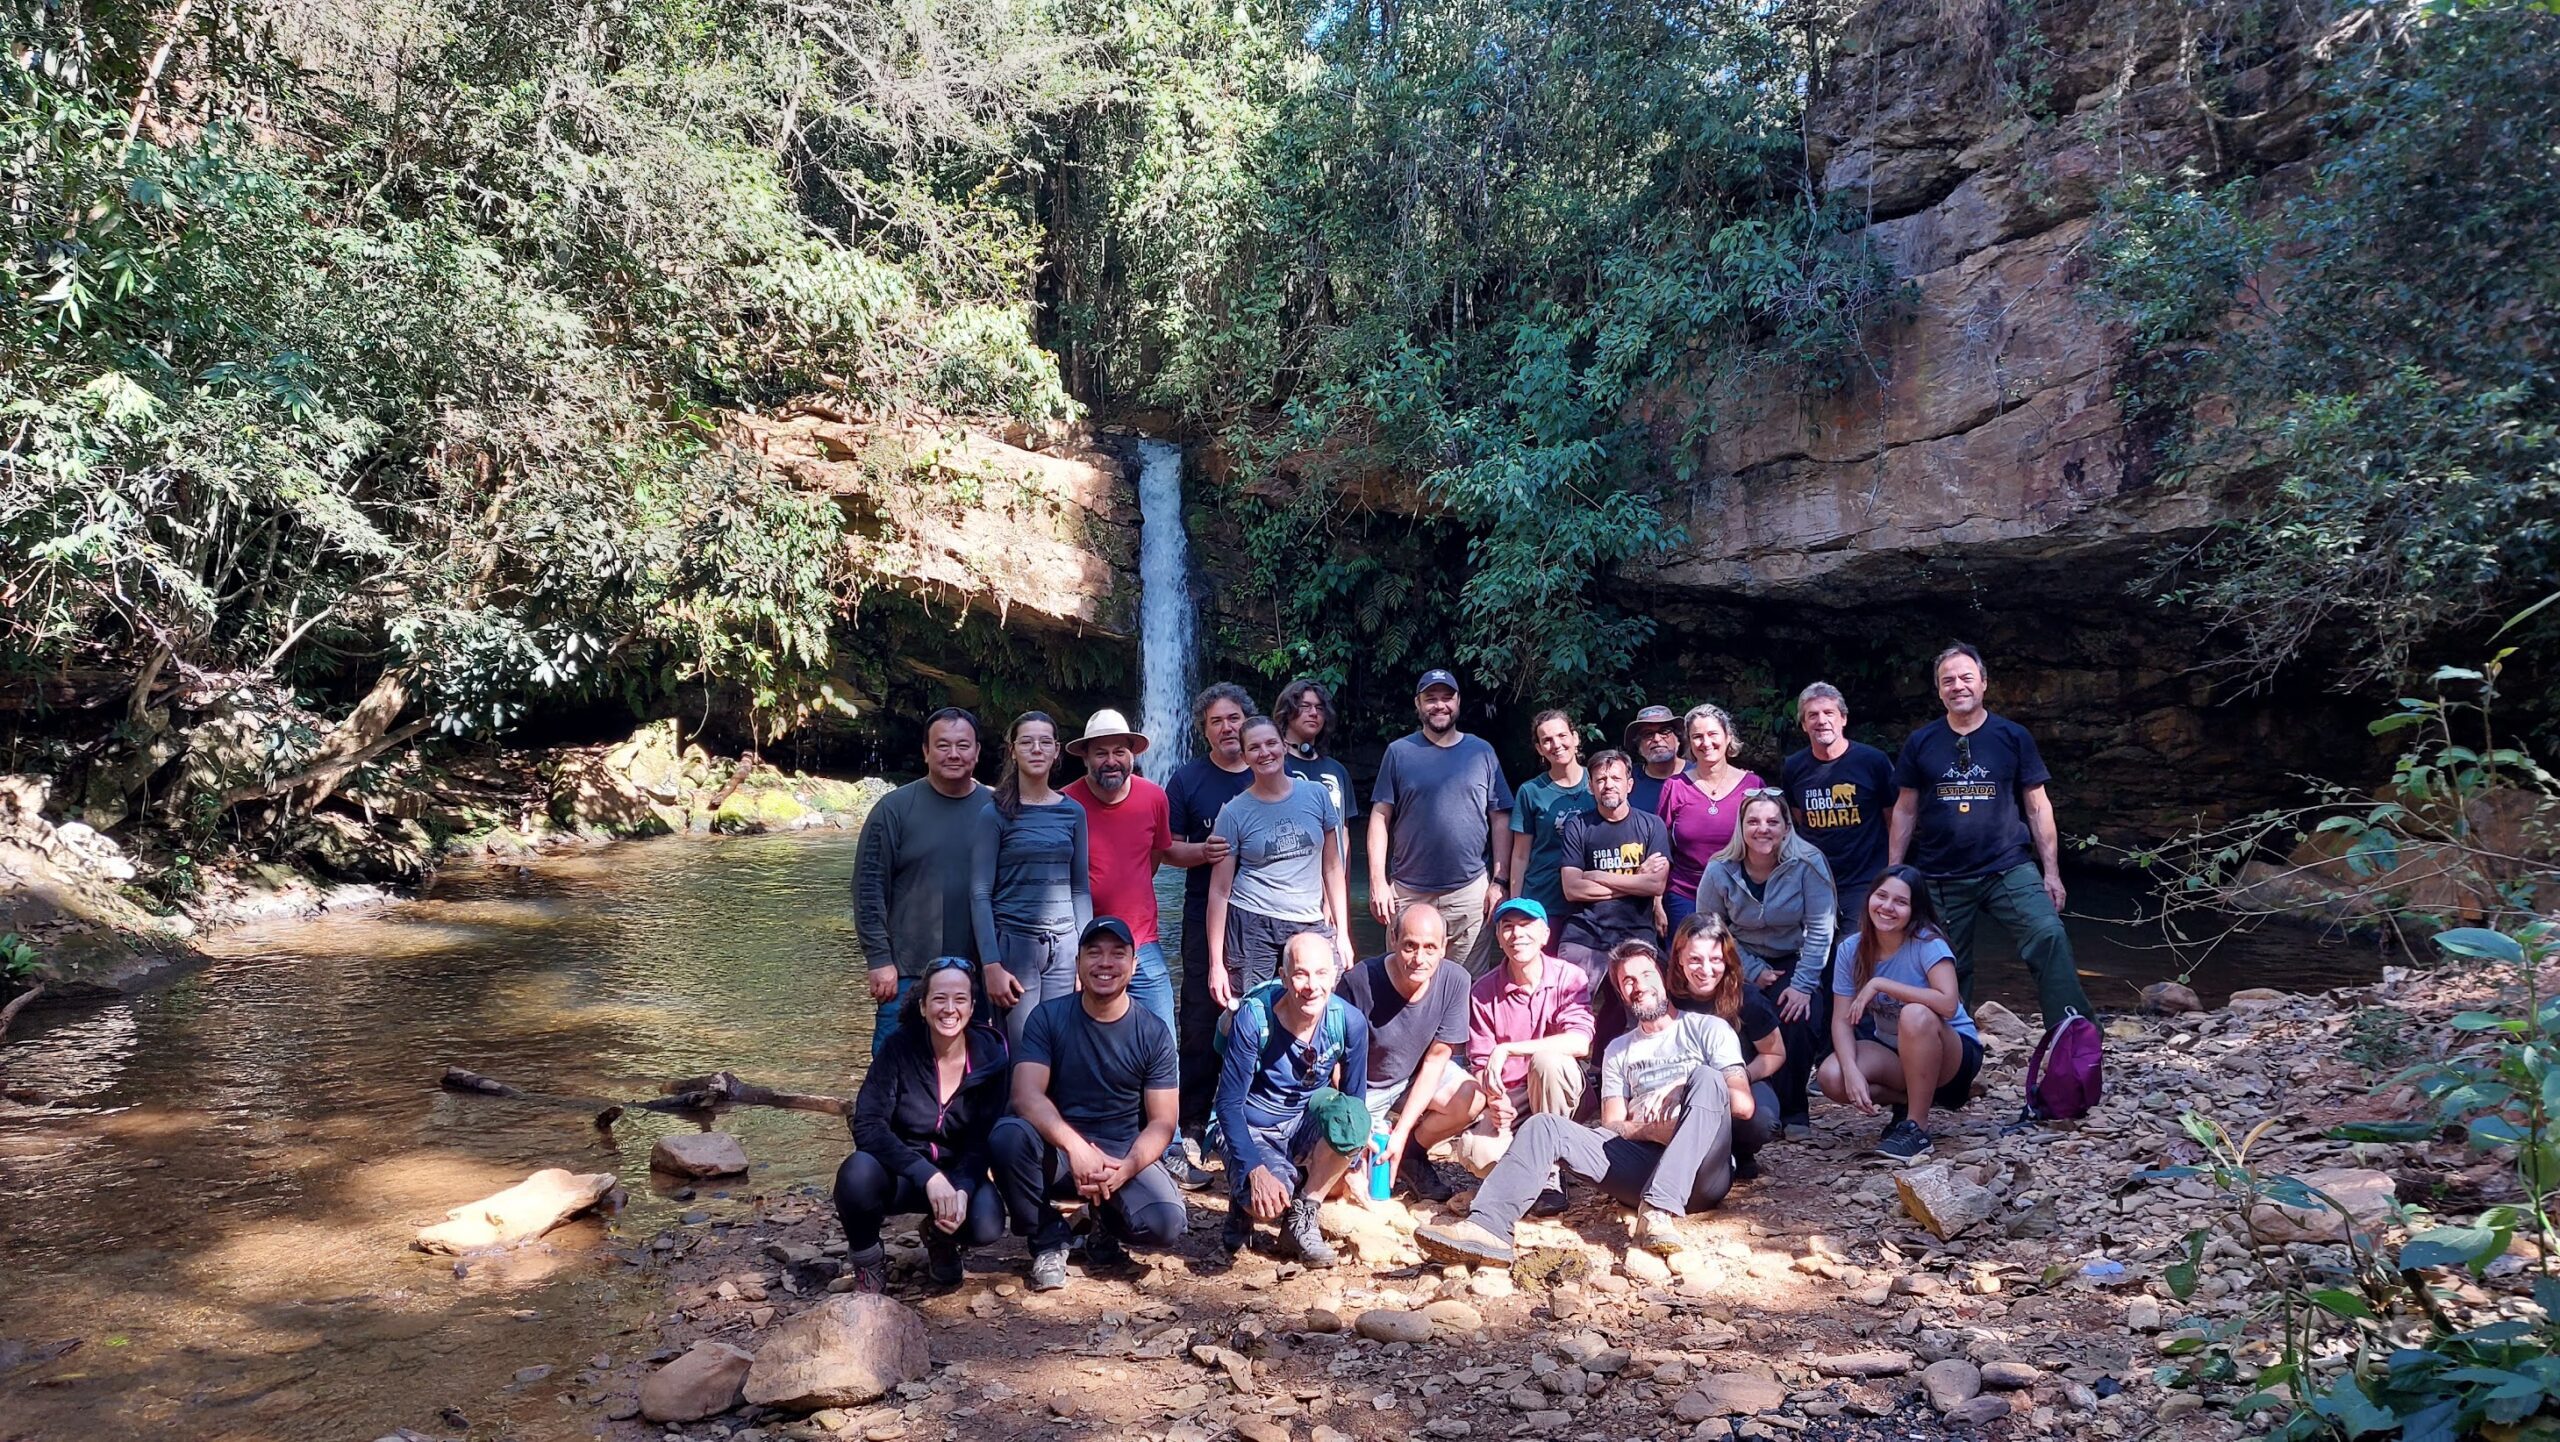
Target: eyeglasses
1775, 792
1964, 752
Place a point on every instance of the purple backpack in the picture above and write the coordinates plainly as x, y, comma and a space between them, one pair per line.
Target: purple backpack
2064, 1076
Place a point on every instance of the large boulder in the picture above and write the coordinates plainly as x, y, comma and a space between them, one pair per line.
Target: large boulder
845, 1351
519, 1214
706, 1381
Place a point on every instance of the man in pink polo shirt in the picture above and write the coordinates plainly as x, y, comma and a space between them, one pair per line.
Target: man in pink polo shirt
1528, 1031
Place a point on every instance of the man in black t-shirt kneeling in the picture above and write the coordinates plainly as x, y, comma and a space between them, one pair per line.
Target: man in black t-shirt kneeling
1094, 1105
1415, 999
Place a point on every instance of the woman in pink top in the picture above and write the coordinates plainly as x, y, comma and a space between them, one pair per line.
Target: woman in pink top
1702, 804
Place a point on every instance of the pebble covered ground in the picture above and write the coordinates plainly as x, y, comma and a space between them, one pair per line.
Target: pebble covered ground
1811, 1306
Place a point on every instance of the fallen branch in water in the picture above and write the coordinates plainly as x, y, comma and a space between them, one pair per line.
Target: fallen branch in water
711, 1093
16, 1005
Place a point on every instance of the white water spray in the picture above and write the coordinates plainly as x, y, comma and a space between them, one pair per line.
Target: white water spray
1166, 626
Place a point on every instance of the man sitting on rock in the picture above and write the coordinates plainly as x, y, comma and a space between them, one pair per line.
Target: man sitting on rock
1292, 1106
1528, 1030
1415, 998
1670, 1091
1095, 1099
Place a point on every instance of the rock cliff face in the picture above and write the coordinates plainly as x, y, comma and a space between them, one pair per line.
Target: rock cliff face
1980, 479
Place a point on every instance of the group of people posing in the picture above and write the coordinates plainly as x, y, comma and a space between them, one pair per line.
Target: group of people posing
1706, 947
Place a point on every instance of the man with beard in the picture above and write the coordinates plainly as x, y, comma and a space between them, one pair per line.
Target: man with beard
1093, 1108
911, 870
1654, 740
1194, 796
1670, 1092
1130, 831
1617, 864
1440, 822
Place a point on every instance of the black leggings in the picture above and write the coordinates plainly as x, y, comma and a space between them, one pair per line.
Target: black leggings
867, 1193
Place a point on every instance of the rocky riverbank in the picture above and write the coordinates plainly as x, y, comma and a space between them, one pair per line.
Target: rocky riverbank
1814, 1305
105, 919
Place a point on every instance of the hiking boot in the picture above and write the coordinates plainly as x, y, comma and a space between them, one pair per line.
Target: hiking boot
1237, 1235
1048, 1268
1463, 1242
864, 1271
1182, 1162
1903, 1141
1659, 1232
1301, 1238
1421, 1177
1550, 1203
941, 1257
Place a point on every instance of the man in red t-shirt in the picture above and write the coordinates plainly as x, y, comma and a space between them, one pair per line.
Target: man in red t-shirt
1129, 829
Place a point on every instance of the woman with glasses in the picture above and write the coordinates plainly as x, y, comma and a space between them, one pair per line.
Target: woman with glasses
1030, 878
1701, 805
1900, 1034
920, 1127
1773, 888
1705, 975
1283, 872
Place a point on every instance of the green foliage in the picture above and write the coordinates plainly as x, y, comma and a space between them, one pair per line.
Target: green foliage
1471, 253
394, 341
2377, 334
18, 958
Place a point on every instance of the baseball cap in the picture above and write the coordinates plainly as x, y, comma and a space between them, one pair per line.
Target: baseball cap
1648, 719
1434, 677
1106, 926
1527, 906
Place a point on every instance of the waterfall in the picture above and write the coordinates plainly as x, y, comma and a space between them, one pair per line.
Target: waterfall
1165, 622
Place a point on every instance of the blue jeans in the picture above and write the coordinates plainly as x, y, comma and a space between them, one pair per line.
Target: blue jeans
1676, 909
1151, 985
885, 1022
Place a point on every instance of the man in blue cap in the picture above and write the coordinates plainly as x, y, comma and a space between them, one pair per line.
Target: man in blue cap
1440, 823
1528, 1033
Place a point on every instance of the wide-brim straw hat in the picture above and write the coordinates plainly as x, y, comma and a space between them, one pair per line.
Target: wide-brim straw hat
1106, 725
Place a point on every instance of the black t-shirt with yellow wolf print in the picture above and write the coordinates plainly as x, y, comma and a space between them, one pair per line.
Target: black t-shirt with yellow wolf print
1843, 806
1591, 844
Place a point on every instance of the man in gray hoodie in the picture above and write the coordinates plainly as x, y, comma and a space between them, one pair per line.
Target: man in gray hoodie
1774, 890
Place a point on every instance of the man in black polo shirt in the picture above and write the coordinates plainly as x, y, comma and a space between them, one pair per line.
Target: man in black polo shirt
1974, 818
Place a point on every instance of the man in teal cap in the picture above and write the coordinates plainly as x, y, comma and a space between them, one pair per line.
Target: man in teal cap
1528, 1033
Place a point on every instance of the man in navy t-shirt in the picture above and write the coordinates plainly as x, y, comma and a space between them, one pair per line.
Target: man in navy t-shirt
1974, 818
1440, 824
1843, 793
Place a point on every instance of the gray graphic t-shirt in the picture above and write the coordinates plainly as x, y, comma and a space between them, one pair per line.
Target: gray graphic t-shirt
1652, 1072
1279, 848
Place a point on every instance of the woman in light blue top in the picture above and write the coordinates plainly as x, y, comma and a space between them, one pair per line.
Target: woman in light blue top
1903, 1037
1030, 883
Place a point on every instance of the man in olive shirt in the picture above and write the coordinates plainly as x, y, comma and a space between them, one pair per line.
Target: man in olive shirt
911, 873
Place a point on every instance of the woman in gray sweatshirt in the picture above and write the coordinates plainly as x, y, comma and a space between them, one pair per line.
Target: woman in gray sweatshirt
1774, 890
1030, 878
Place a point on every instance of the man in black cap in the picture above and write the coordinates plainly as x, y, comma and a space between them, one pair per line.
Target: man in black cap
1094, 1103
1440, 822
1653, 738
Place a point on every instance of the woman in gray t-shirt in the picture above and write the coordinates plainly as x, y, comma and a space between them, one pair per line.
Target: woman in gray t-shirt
1283, 873
1030, 878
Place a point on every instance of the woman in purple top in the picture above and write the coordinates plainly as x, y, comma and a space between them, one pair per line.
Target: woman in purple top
1701, 805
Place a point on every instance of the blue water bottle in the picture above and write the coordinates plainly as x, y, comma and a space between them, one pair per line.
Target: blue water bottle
1382, 1168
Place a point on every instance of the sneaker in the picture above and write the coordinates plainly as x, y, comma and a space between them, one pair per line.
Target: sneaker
1796, 1128
1420, 1176
1904, 1142
1893, 1121
1237, 1235
1048, 1269
866, 1270
1746, 1169
1182, 1160
1658, 1231
1103, 1250
941, 1258
1463, 1242
1550, 1203
1301, 1238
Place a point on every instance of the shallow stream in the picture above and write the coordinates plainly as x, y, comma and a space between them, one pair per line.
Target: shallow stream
217, 1206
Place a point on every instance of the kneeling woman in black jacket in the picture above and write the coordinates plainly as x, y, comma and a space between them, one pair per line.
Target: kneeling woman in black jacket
920, 1131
